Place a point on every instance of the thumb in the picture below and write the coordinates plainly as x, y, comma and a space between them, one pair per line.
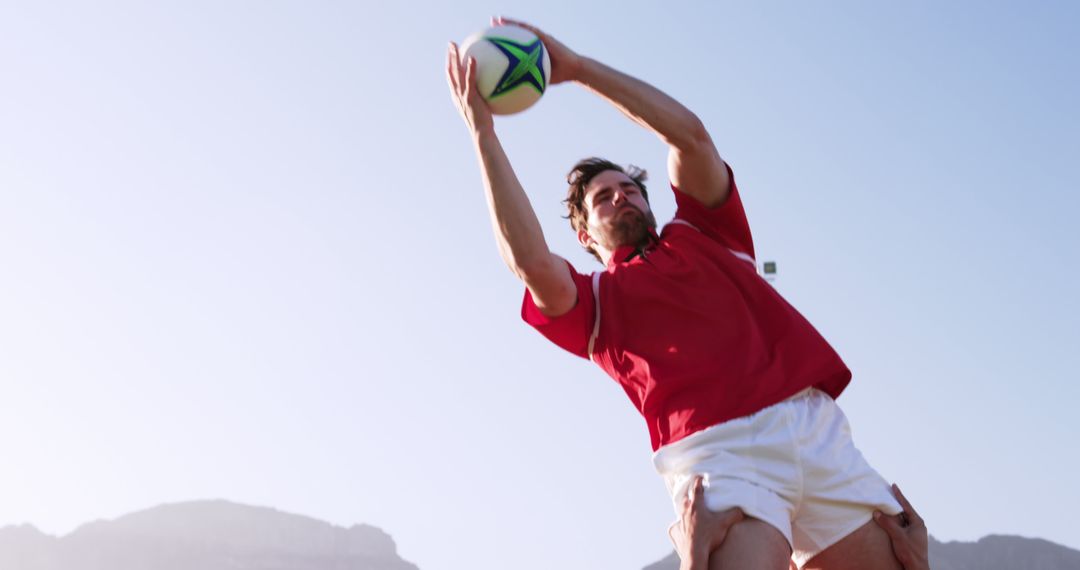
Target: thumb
890, 525
729, 517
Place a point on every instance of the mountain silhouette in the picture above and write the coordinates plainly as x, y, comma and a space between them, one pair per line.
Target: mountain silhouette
203, 535
220, 535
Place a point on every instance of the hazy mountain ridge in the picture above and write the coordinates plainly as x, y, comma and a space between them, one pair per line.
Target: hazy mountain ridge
999, 552
993, 552
207, 535
219, 535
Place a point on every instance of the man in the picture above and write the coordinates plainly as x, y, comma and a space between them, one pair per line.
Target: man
734, 384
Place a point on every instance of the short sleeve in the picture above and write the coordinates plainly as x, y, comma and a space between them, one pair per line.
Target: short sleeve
725, 223
571, 330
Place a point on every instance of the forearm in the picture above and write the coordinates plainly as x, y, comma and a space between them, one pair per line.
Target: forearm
517, 230
642, 103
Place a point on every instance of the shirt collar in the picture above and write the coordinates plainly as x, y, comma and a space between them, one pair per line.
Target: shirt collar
625, 253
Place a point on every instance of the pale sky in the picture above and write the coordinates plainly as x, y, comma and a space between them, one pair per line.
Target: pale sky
245, 255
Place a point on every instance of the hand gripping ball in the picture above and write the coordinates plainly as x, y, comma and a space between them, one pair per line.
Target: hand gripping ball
512, 67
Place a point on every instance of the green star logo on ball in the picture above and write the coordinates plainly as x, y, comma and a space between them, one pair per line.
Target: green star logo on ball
524, 67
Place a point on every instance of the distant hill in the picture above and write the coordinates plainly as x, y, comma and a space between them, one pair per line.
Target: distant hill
219, 535
203, 535
996, 552
989, 553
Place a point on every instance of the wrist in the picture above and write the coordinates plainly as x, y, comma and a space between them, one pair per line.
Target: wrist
482, 132
585, 68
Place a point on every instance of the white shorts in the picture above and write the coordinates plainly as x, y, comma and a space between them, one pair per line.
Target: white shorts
792, 465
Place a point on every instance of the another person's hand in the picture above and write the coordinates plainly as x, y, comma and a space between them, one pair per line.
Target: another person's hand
700, 531
565, 63
461, 75
907, 531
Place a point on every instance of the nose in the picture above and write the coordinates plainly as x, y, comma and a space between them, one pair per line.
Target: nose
618, 197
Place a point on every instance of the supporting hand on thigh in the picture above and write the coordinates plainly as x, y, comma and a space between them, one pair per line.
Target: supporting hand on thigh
700, 531
907, 531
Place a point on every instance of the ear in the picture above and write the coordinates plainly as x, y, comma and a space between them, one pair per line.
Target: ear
584, 238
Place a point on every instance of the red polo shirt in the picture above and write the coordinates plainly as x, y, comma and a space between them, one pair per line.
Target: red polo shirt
691, 332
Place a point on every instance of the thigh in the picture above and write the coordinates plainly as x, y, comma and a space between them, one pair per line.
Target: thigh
868, 548
752, 545
841, 491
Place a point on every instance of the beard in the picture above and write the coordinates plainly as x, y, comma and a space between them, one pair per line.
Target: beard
628, 229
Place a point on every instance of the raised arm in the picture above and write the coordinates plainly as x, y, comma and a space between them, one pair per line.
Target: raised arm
517, 231
694, 164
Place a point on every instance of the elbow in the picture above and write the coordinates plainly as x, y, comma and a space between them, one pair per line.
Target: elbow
699, 134
524, 261
532, 270
692, 135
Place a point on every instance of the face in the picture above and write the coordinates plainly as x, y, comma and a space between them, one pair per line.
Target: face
618, 212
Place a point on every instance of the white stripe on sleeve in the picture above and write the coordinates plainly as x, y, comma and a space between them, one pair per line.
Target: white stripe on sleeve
596, 307
743, 256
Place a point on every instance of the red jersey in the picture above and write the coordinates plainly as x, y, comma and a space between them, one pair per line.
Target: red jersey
688, 328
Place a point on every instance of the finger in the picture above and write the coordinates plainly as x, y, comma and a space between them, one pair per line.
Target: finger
696, 492
723, 522
504, 21
731, 516
470, 78
910, 510
673, 530
451, 65
458, 72
890, 525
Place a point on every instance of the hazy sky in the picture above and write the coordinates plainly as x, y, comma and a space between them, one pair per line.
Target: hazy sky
244, 254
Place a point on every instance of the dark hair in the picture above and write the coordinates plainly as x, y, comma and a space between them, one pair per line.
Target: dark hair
579, 177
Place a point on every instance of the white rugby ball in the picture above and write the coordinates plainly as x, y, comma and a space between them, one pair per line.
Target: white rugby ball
512, 67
